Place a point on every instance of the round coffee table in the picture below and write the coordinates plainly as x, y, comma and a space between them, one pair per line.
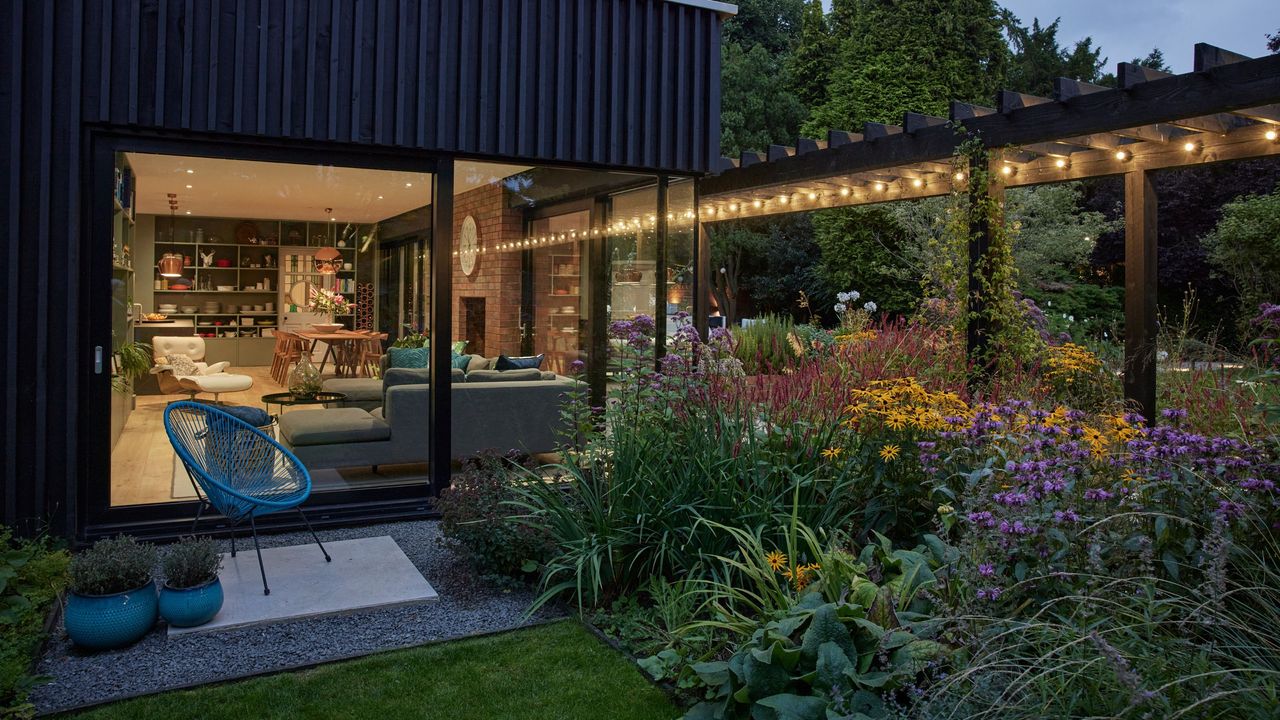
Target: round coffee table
284, 398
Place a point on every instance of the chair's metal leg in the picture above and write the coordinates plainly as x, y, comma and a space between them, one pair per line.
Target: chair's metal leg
199, 511
313, 535
261, 568
232, 532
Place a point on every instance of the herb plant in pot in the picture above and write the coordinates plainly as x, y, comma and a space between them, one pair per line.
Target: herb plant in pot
191, 594
113, 598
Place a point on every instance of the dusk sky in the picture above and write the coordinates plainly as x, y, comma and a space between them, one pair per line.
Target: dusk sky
1130, 28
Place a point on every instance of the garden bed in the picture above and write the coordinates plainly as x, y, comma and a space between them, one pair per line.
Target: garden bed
467, 606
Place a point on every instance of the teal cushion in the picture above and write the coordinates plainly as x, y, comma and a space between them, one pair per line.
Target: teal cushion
408, 357
460, 362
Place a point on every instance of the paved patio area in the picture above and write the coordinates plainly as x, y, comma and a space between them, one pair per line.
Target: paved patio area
466, 606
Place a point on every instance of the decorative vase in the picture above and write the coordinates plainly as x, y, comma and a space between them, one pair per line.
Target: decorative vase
189, 607
304, 378
104, 622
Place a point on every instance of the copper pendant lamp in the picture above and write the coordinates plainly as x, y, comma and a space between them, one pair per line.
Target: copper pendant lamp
328, 259
170, 263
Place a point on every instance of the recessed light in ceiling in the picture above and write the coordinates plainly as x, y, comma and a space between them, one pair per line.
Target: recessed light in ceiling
190, 171
188, 187
379, 197
408, 184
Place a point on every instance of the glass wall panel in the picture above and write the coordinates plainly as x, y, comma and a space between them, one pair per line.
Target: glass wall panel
237, 282
681, 224
544, 260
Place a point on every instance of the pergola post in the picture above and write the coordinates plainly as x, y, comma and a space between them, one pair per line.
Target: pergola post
701, 279
978, 328
1140, 206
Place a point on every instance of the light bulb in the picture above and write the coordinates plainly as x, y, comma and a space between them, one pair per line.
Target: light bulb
1062, 163
783, 200
756, 204
190, 171
1007, 170
881, 187
844, 192
1123, 155
813, 196
917, 183
733, 207
1272, 135
959, 176
408, 184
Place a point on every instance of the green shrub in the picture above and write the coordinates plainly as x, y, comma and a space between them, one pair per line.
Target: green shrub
112, 565
32, 573
476, 518
191, 562
765, 347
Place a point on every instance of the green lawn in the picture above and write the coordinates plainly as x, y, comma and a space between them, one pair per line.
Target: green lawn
552, 671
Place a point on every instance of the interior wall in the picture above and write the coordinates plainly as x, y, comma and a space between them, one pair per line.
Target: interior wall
497, 274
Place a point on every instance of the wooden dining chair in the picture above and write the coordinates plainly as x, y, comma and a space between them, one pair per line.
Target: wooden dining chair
371, 354
288, 350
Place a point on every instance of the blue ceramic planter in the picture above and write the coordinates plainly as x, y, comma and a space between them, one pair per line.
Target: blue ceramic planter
188, 607
104, 622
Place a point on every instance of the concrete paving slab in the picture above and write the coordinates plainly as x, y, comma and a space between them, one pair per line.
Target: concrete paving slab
365, 573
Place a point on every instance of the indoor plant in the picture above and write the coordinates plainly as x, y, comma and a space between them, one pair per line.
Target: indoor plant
191, 593
113, 599
133, 360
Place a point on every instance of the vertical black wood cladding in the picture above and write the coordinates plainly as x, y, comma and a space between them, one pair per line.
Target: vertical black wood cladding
622, 83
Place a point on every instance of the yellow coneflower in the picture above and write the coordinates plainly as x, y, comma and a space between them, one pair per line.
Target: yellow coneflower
945, 509
832, 453
776, 560
889, 453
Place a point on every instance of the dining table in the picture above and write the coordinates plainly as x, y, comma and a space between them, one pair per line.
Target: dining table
343, 346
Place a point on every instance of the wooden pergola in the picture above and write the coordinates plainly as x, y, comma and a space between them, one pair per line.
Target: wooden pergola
1227, 109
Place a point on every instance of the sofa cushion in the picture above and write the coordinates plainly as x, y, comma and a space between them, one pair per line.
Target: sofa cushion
408, 357
182, 364
357, 390
334, 425
504, 375
518, 363
460, 362
479, 362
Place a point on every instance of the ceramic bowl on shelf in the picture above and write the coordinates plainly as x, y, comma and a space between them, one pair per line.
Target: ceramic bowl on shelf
326, 327
226, 288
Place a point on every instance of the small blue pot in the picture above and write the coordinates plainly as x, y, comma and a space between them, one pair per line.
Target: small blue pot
188, 607
105, 622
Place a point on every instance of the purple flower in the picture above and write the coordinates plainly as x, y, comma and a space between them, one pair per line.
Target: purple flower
577, 366
1097, 494
991, 593
986, 570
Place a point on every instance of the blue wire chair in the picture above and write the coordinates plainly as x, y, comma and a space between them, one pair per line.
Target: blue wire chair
237, 469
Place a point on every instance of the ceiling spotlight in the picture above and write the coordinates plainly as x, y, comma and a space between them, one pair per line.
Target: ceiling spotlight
408, 184
188, 212
188, 187
379, 197
1124, 155
190, 171
1272, 135
1062, 163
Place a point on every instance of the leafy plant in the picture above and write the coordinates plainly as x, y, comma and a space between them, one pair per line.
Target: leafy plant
191, 562
133, 360
32, 573
765, 347
818, 659
113, 565
476, 517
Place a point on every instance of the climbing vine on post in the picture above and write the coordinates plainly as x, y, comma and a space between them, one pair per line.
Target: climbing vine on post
977, 283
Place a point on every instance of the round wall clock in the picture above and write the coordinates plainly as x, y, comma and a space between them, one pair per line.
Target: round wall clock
468, 245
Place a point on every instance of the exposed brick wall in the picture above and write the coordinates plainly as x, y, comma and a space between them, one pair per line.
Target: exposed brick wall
497, 274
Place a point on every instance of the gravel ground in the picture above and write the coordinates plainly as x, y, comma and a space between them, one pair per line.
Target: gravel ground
467, 606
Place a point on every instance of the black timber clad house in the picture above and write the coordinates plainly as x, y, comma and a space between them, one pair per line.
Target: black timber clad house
609, 84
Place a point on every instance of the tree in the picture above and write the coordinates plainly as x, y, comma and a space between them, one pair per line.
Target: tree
894, 57
1273, 42
757, 105
810, 62
774, 24
1153, 60
1037, 58
1245, 245
732, 248
865, 249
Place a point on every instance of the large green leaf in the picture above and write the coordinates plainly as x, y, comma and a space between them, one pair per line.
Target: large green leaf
796, 707
826, 627
831, 666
